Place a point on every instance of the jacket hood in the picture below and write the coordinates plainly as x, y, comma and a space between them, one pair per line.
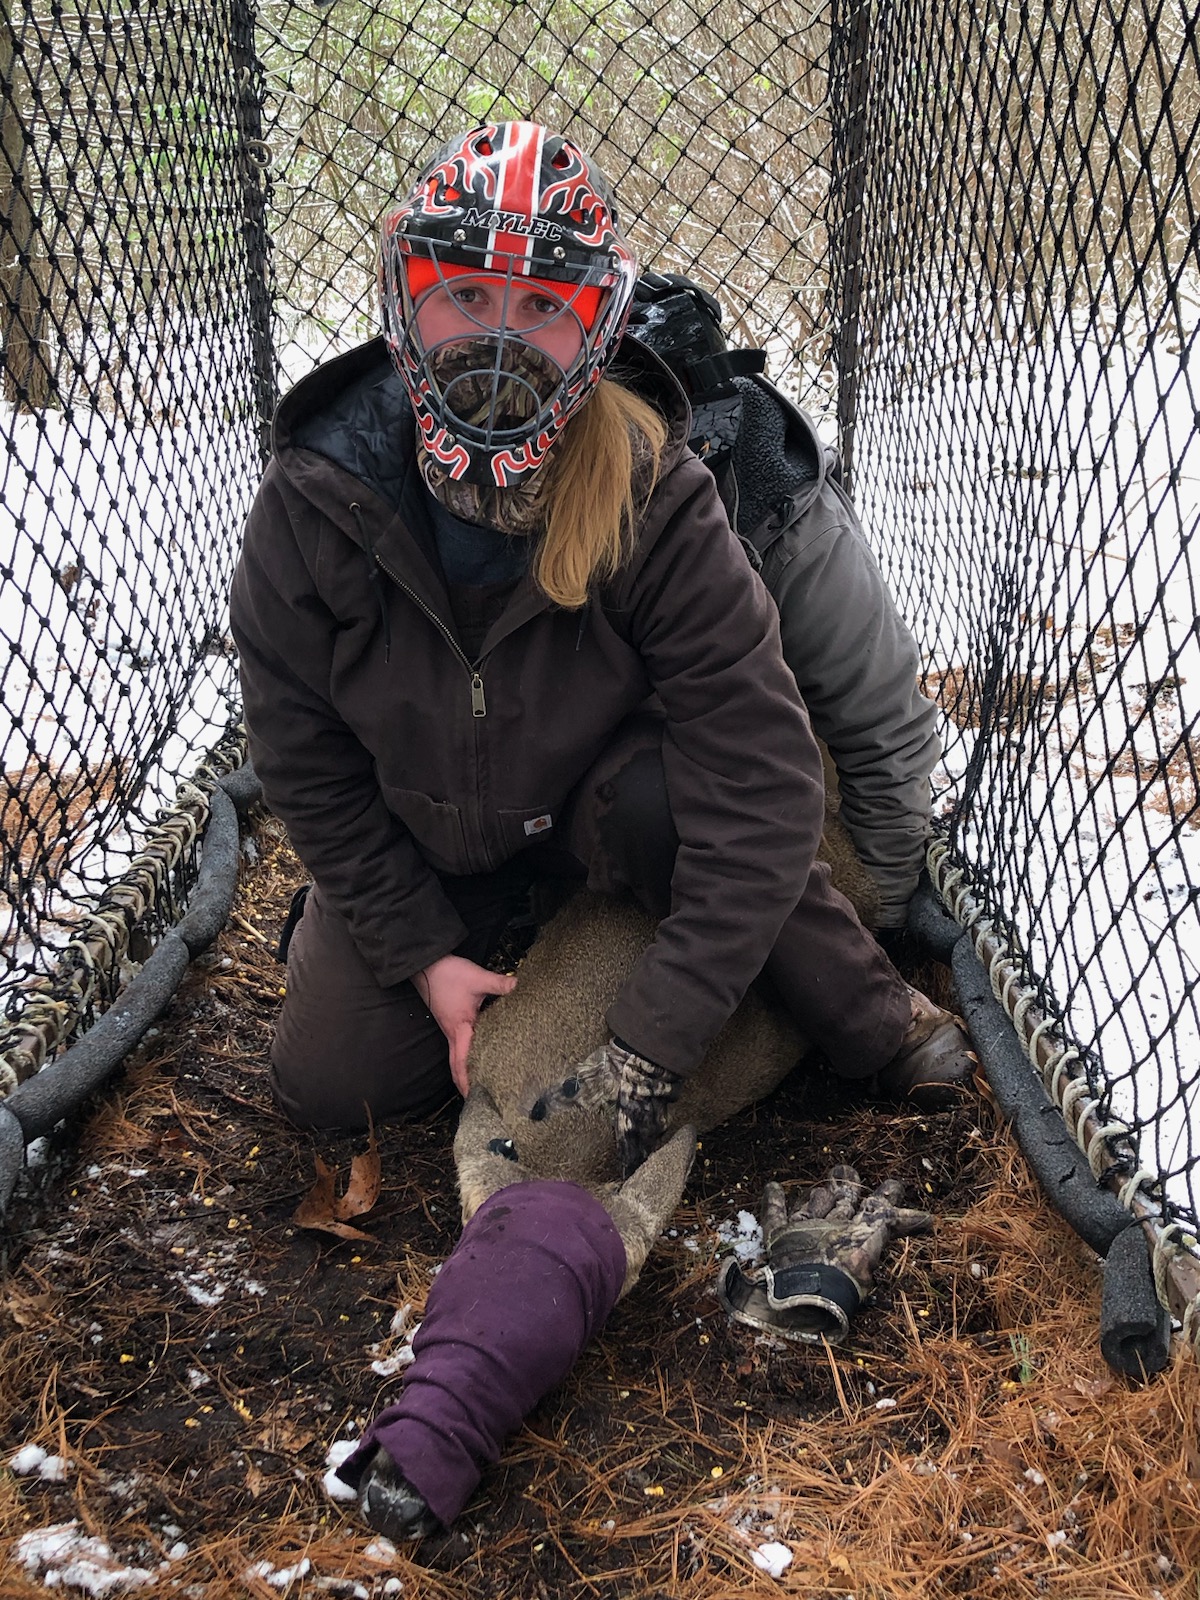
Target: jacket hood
779, 463
353, 411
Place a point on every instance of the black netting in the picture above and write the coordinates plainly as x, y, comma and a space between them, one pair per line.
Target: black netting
1026, 452
131, 258
713, 125
967, 238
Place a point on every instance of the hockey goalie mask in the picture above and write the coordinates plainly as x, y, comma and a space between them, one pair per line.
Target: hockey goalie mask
504, 289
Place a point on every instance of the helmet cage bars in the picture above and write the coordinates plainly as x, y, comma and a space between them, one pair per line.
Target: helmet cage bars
518, 206
526, 393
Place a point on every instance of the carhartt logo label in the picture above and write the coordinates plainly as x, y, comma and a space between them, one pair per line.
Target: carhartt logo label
511, 222
539, 824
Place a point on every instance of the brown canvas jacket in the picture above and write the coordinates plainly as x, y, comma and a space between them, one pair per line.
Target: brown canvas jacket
388, 754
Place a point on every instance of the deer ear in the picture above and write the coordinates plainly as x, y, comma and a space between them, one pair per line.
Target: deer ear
642, 1206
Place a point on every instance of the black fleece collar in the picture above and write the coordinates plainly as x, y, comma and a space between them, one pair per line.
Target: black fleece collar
778, 462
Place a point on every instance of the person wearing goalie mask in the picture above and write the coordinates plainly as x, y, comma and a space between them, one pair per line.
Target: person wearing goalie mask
493, 623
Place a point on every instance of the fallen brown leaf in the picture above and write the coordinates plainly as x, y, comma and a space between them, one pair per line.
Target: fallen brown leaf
283, 1435
366, 1180
324, 1209
1093, 1388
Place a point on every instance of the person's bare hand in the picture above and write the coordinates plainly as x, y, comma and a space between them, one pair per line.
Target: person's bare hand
454, 989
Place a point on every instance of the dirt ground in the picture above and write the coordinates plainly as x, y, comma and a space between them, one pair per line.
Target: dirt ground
191, 1353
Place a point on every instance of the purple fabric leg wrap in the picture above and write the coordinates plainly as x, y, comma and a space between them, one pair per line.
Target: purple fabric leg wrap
535, 1274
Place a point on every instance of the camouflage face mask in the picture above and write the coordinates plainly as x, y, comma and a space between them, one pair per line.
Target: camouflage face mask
516, 511
484, 400
493, 389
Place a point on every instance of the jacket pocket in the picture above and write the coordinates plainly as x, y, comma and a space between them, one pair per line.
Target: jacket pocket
520, 829
436, 827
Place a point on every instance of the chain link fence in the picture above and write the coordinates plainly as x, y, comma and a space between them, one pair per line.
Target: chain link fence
966, 238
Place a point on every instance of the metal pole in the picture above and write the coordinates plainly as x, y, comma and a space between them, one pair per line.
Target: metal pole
849, 88
254, 158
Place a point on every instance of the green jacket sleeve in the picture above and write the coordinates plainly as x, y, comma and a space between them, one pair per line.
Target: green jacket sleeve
856, 665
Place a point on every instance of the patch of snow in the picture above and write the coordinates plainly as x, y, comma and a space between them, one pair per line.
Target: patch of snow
744, 1235
334, 1456
63, 1557
1083, 813
280, 1577
336, 1489
389, 1366
773, 1558
388, 1363
125, 1488
205, 1297
32, 1458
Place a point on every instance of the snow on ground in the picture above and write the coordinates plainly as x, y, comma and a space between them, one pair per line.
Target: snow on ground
395, 1352
335, 1488
62, 1556
114, 580
743, 1235
31, 1459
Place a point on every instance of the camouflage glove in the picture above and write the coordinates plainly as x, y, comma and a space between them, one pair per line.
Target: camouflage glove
820, 1259
637, 1091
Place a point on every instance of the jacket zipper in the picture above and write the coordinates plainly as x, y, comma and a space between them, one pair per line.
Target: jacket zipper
478, 700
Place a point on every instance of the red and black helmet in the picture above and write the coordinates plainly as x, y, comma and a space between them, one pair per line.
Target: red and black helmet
508, 203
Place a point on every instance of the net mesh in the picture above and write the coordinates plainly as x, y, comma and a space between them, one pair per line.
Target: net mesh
967, 239
714, 131
129, 427
1025, 435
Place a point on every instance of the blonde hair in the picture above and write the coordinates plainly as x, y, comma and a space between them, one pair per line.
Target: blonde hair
601, 476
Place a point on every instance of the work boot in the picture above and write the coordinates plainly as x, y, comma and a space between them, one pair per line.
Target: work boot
935, 1061
388, 1503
